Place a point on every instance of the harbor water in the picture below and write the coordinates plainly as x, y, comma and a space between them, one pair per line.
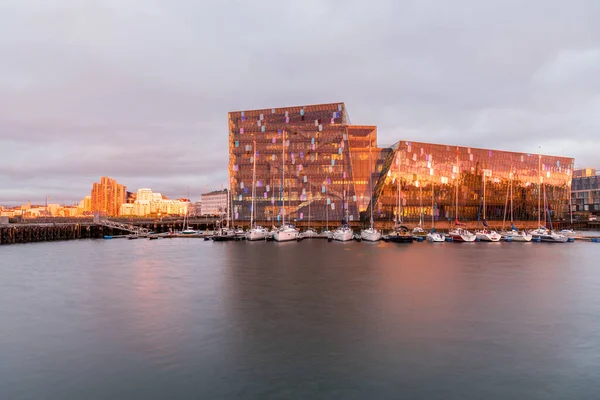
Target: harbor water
194, 319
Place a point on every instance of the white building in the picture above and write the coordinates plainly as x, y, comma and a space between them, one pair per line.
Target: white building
150, 203
214, 203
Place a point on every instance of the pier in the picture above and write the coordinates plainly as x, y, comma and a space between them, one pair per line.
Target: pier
53, 229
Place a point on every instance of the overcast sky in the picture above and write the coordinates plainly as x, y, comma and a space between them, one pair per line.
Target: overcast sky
139, 90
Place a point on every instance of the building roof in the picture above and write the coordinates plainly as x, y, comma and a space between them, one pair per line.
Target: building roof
215, 192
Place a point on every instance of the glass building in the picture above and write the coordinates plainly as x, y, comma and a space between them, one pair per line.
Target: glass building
309, 159
586, 191
447, 182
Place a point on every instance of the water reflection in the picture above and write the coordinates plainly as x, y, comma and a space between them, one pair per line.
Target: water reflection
187, 318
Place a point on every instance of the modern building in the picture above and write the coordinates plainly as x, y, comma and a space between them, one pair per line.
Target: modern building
585, 191
447, 182
308, 159
311, 157
107, 197
214, 203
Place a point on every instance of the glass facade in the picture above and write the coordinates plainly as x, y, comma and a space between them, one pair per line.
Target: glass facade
586, 191
307, 157
311, 159
428, 178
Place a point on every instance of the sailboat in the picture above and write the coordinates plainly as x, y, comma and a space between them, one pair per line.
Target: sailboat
486, 235
434, 236
326, 232
570, 231
542, 234
371, 234
256, 232
224, 233
458, 234
188, 229
400, 234
344, 233
309, 233
418, 231
286, 232
514, 235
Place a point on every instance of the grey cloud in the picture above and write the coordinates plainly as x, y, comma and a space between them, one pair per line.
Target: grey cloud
140, 90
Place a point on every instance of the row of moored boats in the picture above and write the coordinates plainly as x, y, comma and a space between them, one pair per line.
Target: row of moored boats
401, 234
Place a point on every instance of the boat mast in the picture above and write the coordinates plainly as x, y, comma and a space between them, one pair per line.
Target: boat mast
326, 206
421, 205
512, 222
539, 185
283, 178
570, 205
309, 201
344, 210
397, 219
371, 181
545, 205
231, 208
253, 184
432, 206
506, 203
456, 185
398, 222
228, 204
484, 195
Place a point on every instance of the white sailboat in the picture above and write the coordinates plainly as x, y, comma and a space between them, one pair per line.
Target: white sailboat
434, 236
309, 233
286, 232
485, 234
256, 232
326, 232
400, 234
418, 231
542, 233
370, 234
344, 233
570, 231
459, 234
514, 235
188, 229
225, 233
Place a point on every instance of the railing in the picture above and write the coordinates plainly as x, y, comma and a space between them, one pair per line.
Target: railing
124, 227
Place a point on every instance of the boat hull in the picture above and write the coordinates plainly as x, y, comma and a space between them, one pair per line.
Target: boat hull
343, 236
285, 236
463, 238
435, 238
517, 237
370, 235
400, 239
552, 238
254, 235
488, 237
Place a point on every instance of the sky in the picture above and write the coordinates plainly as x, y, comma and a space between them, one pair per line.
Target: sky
139, 90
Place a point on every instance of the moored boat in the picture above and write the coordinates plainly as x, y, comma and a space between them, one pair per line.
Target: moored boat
517, 236
435, 237
462, 235
343, 234
257, 233
370, 235
286, 233
487, 236
399, 235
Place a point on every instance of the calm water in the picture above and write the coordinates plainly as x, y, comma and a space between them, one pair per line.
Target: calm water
189, 319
